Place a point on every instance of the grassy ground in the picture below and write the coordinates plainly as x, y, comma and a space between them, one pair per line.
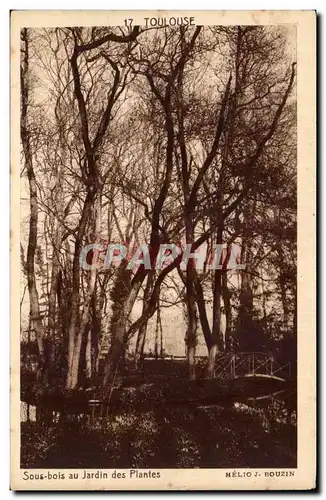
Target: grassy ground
166, 437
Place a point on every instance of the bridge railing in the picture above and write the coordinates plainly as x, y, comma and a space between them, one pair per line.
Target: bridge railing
250, 364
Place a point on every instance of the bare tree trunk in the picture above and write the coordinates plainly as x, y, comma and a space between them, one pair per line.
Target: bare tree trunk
58, 203
216, 328
74, 335
228, 312
88, 355
156, 335
216, 323
35, 316
140, 343
191, 335
91, 295
203, 314
52, 330
211, 361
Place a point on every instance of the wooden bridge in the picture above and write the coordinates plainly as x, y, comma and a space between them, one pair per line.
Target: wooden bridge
251, 364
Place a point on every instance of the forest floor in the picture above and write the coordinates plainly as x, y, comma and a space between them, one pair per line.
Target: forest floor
166, 437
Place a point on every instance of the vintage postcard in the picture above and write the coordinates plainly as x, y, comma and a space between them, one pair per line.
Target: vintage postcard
163, 172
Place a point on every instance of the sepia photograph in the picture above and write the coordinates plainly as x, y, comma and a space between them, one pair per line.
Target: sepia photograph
158, 232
